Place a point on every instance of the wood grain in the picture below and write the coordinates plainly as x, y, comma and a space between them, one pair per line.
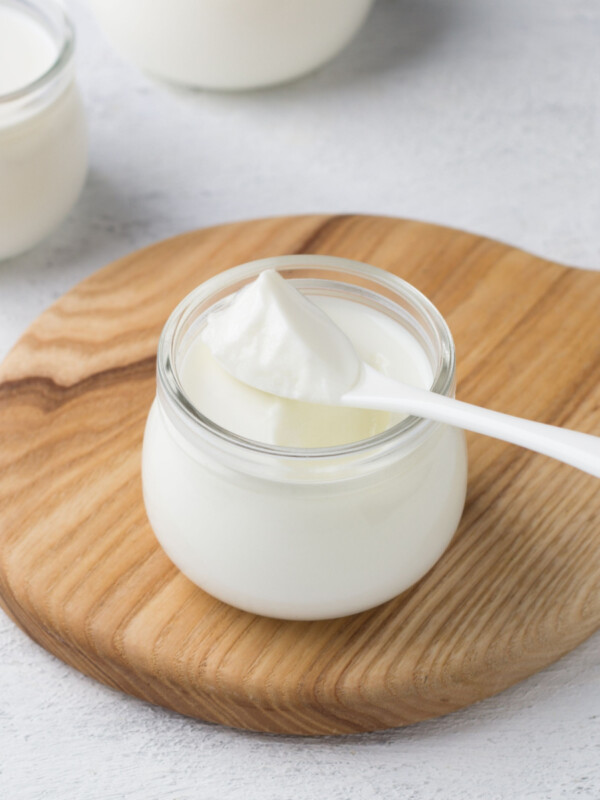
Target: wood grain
80, 569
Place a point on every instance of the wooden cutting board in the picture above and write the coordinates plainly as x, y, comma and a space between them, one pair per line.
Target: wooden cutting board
81, 572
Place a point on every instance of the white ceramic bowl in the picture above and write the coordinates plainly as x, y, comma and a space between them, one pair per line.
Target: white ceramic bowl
230, 44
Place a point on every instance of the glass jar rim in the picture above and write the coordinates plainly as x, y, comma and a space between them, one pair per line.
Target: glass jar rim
406, 430
62, 31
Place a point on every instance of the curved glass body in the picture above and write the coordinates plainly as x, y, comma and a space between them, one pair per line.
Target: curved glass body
303, 533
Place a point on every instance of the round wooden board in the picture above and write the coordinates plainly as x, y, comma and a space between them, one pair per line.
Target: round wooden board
80, 569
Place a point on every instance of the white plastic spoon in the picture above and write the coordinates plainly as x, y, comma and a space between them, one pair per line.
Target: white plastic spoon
375, 390
272, 337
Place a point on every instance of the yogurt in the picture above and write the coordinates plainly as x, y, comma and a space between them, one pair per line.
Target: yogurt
293, 509
230, 44
272, 336
43, 145
27, 50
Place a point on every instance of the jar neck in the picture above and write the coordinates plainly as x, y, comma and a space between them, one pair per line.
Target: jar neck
201, 438
29, 100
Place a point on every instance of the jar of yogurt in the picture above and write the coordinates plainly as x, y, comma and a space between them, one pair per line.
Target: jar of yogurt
230, 44
291, 509
43, 144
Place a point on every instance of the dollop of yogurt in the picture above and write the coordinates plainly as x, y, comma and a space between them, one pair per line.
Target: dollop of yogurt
272, 337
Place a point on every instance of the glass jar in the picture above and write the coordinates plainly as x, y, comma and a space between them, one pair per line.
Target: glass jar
43, 143
303, 533
230, 44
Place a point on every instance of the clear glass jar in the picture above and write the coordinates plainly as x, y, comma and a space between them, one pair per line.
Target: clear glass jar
303, 533
43, 142
230, 44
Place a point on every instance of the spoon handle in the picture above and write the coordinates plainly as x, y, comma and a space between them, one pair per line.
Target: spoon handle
375, 390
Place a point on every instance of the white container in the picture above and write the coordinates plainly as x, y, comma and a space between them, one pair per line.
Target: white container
230, 44
303, 533
43, 142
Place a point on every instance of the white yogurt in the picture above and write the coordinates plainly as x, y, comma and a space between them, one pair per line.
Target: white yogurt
43, 147
272, 337
288, 357
230, 44
27, 50
264, 522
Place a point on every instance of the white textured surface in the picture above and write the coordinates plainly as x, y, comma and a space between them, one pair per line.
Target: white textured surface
474, 113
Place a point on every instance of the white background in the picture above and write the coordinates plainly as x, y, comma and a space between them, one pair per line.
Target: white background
480, 114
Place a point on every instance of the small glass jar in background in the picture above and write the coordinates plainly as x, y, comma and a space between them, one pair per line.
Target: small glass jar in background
43, 140
230, 44
303, 533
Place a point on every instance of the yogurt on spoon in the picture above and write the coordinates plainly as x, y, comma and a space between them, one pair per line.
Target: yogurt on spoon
274, 338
